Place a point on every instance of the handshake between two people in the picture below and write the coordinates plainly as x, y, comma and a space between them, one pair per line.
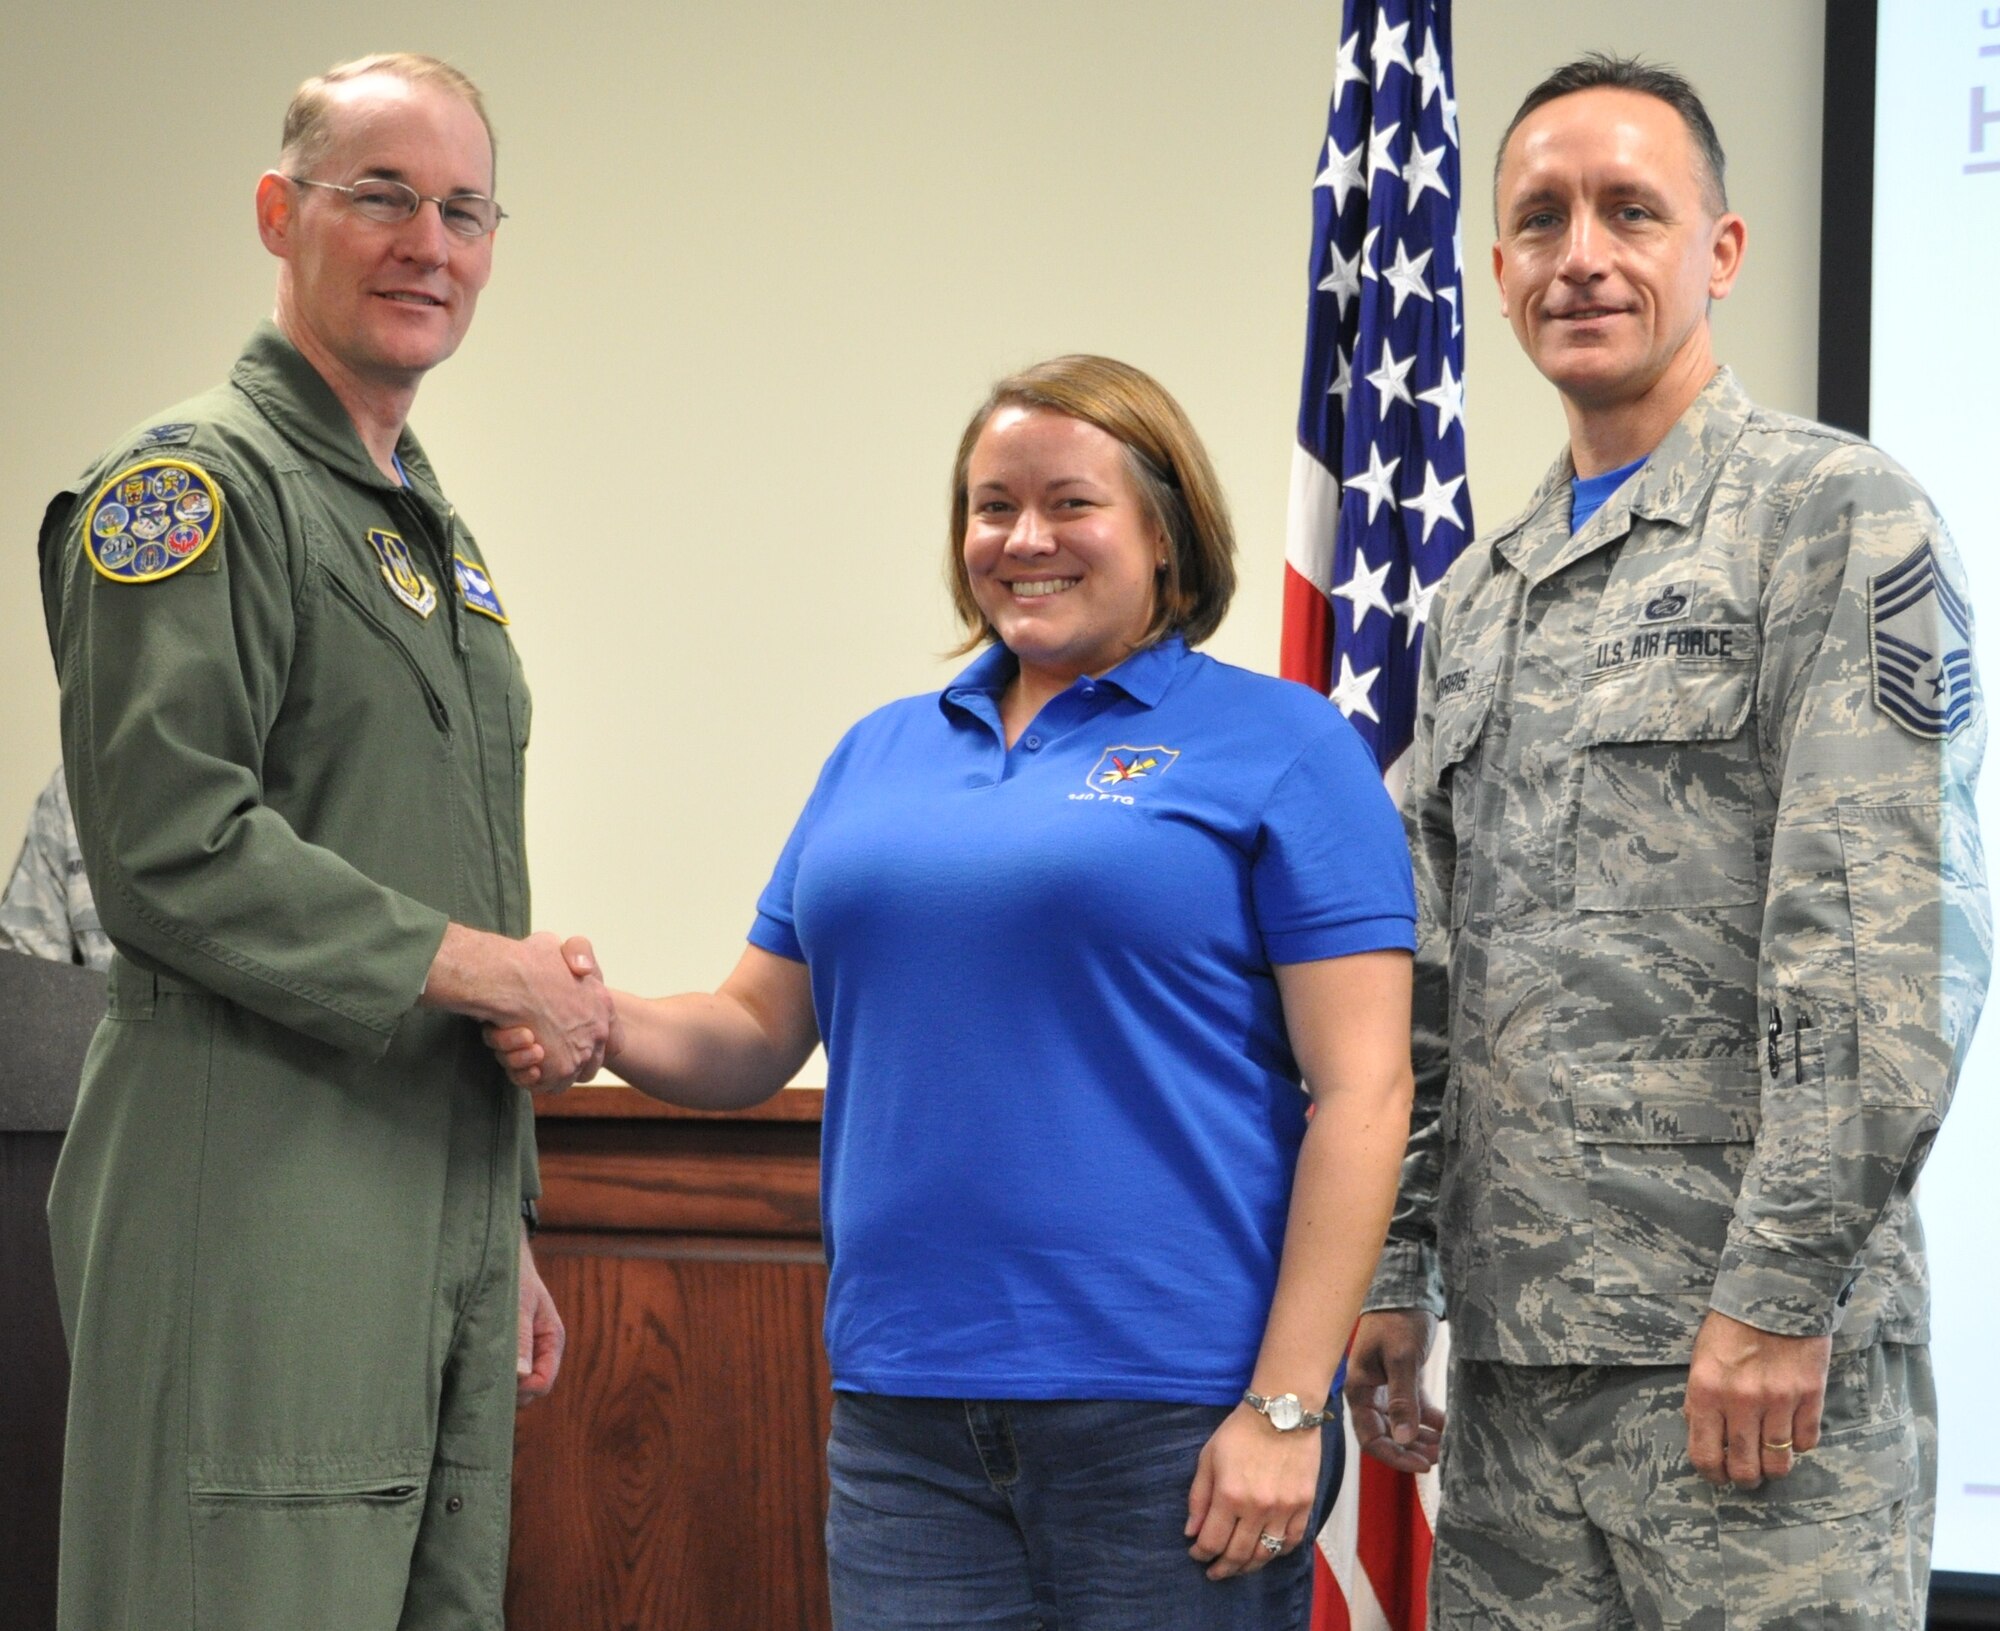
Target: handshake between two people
541, 1001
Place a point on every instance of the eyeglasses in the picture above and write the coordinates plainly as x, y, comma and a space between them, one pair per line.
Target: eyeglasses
469, 215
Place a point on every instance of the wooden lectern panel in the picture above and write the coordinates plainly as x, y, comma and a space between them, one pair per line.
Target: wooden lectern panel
675, 1480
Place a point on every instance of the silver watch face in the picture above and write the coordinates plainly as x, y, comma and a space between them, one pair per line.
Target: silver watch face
1286, 1413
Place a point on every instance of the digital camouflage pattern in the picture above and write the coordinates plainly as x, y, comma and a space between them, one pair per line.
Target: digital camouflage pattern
48, 911
1667, 793
1573, 1507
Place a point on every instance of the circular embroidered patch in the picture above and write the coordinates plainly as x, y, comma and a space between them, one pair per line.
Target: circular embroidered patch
152, 519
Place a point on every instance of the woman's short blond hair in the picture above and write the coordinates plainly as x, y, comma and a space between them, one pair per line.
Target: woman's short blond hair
1169, 467
309, 118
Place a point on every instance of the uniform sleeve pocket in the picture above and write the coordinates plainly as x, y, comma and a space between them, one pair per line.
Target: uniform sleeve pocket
1664, 1145
1921, 947
1671, 784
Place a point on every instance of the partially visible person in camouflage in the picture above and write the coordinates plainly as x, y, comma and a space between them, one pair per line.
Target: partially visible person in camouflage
1703, 937
48, 911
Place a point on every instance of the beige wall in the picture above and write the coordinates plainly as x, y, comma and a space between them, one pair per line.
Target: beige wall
764, 258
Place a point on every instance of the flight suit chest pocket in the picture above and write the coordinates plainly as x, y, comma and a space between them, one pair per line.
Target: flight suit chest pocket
1457, 734
1664, 1146
1668, 799
381, 662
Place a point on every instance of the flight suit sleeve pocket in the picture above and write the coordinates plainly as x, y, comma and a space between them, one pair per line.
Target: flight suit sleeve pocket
1663, 1145
1670, 788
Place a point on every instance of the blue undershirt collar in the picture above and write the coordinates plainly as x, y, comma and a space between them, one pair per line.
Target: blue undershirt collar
1588, 494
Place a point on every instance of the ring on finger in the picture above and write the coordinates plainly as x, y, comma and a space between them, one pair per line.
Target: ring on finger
1270, 1542
1778, 1446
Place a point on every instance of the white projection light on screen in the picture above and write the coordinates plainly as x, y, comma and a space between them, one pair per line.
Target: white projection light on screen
1935, 366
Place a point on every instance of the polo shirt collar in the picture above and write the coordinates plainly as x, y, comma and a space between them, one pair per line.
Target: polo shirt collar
1144, 676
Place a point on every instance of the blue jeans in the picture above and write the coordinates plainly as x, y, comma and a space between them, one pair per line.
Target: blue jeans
1028, 1515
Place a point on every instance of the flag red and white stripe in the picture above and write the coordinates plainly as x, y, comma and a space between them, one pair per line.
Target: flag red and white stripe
1378, 513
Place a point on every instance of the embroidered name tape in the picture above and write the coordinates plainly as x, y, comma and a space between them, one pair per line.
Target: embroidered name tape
475, 588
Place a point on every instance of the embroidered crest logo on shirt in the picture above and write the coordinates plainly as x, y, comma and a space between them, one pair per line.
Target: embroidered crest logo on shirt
152, 519
405, 582
1920, 637
1125, 769
1668, 606
475, 588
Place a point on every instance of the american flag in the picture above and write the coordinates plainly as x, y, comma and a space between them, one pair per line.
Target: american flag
1379, 507
1379, 510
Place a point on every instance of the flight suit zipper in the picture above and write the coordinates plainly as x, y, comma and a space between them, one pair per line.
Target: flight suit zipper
426, 529
440, 716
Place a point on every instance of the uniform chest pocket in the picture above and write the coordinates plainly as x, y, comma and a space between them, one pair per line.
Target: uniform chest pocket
1667, 809
1457, 734
393, 656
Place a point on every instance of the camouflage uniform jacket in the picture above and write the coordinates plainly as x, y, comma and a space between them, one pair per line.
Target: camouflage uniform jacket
1703, 768
48, 910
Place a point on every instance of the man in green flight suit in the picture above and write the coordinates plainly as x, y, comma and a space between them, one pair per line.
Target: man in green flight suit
288, 1219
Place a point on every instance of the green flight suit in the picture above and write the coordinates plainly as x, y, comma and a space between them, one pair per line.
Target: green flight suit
286, 1217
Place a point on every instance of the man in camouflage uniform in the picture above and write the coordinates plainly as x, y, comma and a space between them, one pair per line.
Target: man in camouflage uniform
47, 910
1703, 938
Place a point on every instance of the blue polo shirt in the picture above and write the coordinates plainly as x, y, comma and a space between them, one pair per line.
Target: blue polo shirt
1062, 1113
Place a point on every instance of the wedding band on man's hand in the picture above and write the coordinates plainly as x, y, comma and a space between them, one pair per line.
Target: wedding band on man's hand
1271, 1543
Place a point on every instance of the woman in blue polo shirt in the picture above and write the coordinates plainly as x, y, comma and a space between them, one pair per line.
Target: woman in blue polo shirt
1070, 930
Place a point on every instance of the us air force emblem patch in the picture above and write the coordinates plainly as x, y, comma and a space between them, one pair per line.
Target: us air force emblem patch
152, 519
475, 588
405, 583
1920, 640
1127, 769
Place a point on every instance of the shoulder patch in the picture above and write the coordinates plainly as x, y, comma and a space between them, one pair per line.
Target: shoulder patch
1920, 645
151, 520
475, 588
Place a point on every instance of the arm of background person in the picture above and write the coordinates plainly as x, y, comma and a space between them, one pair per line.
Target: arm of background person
1393, 1420
34, 910
1348, 1019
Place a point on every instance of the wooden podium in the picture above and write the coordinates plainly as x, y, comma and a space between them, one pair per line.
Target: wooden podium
675, 1480
47, 1012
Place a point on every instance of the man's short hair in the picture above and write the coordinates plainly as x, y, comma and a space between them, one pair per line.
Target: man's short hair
309, 122
1599, 70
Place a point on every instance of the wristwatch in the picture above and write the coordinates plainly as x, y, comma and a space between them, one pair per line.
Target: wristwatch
1283, 1411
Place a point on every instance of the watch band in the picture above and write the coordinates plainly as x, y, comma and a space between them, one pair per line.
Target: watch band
1284, 1412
